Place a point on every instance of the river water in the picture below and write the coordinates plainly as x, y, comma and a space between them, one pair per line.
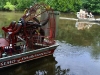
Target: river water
78, 52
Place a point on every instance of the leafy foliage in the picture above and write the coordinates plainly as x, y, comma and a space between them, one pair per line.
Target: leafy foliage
60, 5
92, 5
65, 5
9, 6
23, 4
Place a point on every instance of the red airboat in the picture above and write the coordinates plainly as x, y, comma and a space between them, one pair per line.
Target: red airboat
32, 37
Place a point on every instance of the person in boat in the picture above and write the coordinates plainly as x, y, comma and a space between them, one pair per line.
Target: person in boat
91, 16
81, 14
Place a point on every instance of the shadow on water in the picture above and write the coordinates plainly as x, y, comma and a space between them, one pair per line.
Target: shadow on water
43, 66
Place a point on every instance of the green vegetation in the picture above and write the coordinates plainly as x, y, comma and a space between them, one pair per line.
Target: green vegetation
92, 5
9, 6
60, 5
65, 5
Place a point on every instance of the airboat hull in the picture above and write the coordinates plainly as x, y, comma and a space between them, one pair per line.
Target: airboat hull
27, 56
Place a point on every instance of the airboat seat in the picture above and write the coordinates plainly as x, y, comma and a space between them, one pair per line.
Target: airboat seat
3, 42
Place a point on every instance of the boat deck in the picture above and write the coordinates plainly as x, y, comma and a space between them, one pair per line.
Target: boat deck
9, 51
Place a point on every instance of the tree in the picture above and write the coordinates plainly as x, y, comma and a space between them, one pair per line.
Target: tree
23, 4
65, 5
9, 6
92, 5
59, 5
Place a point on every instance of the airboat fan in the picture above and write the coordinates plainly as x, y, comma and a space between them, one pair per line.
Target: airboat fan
37, 25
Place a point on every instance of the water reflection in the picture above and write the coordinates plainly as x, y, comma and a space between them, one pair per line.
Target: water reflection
79, 33
43, 66
41, 72
95, 52
59, 71
76, 59
84, 25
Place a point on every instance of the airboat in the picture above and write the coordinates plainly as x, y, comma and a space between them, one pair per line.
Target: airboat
31, 37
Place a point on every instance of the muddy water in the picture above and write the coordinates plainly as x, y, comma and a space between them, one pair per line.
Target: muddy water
78, 52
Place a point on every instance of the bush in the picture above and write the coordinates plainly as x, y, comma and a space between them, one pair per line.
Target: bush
9, 6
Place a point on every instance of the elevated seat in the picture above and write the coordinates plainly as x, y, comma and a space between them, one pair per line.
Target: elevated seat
3, 42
